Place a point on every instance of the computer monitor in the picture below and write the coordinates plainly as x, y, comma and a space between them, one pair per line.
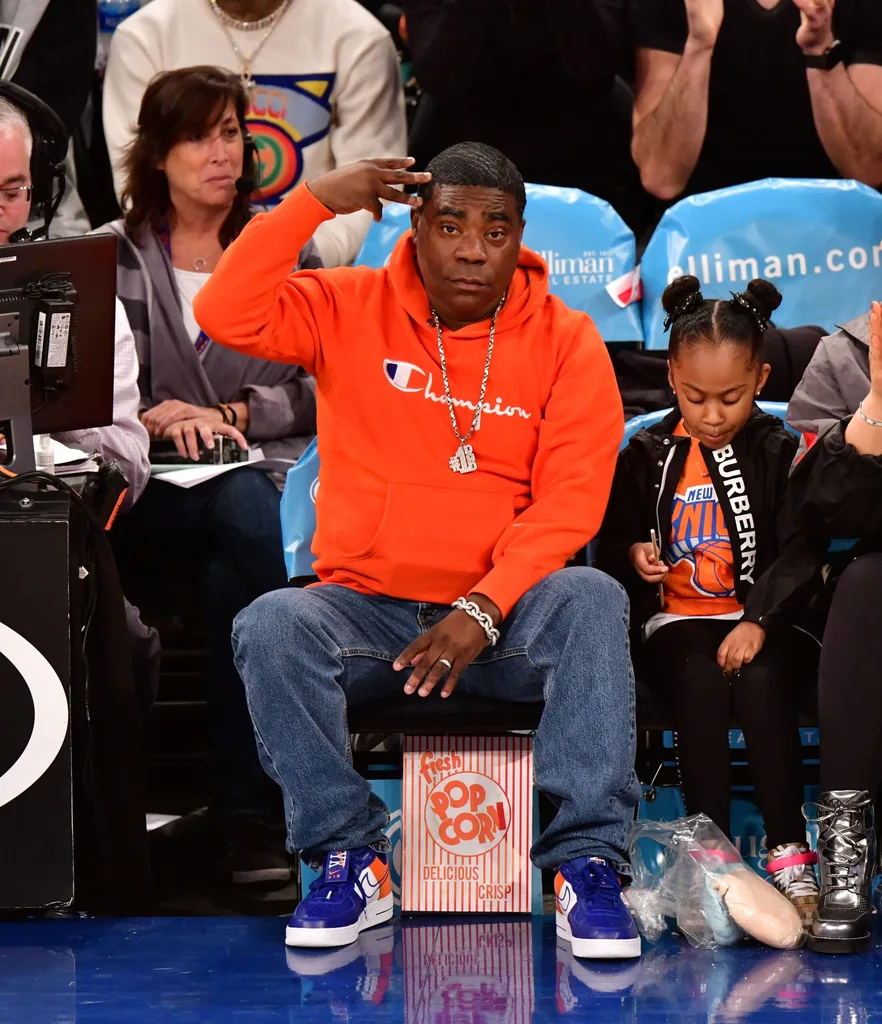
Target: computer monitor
57, 334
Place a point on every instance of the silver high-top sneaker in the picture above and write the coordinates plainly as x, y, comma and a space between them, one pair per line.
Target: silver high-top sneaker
846, 859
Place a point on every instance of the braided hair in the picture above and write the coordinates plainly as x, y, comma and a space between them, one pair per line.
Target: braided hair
741, 320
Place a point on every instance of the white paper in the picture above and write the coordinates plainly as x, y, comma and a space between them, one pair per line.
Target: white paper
190, 476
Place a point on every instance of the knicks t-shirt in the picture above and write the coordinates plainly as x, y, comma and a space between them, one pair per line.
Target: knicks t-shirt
701, 580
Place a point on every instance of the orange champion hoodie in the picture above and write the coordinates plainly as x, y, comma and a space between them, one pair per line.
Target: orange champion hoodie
392, 517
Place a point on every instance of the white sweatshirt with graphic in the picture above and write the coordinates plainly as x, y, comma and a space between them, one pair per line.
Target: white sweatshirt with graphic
328, 91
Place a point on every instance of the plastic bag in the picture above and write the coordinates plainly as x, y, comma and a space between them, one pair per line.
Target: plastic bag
297, 512
688, 871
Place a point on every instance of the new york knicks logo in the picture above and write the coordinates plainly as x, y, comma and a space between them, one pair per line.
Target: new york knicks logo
700, 542
287, 113
404, 376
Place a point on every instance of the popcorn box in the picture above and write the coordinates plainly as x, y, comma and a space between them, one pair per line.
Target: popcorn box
467, 813
476, 971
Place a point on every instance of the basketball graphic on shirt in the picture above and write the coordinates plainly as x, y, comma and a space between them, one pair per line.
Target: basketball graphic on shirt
699, 553
712, 573
286, 114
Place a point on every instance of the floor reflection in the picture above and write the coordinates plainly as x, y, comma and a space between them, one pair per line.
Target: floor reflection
420, 970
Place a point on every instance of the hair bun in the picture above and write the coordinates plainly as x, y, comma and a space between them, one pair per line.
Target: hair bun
764, 296
680, 291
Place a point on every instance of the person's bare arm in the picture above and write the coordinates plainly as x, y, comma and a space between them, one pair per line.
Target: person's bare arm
670, 106
846, 102
670, 117
867, 439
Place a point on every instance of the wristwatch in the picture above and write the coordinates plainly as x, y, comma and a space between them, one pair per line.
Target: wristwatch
827, 60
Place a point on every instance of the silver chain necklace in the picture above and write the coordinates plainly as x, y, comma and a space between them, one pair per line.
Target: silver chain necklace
464, 460
247, 61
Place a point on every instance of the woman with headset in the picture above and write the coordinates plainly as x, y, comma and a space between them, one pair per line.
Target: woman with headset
190, 174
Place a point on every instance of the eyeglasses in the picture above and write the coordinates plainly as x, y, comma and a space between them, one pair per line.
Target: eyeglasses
16, 196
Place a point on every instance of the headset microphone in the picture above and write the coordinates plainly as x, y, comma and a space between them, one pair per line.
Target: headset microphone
249, 180
22, 235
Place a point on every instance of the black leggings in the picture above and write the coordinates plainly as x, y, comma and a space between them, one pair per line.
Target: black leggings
682, 667
849, 691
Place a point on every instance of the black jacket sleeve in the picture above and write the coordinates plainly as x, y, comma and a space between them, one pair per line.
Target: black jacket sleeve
783, 590
838, 492
627, 522
58, 63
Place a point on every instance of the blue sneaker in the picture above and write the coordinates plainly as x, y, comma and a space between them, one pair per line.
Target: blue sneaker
353, 892
591, 911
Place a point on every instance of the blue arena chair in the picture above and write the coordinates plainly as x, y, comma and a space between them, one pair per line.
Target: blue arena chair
819, 241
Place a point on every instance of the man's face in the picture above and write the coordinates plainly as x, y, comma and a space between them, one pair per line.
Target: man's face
467, 243
15, 172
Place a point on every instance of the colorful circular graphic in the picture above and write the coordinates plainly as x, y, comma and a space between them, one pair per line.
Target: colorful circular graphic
280, 158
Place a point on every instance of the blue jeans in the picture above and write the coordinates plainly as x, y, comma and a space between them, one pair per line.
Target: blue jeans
228, 532
305, 654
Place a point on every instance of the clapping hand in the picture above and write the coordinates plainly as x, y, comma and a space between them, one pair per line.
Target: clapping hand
815, 33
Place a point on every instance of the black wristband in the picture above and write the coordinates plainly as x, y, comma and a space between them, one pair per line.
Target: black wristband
827, 60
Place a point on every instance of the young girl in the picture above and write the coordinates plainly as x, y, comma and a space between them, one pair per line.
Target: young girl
717, 607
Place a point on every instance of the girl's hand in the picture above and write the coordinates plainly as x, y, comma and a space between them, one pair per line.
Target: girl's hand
740, 647
648, 567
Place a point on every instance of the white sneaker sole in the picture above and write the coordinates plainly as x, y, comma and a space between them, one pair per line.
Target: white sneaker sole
598, 949
321, 938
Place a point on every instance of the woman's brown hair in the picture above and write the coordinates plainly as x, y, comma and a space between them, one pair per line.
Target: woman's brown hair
178, 105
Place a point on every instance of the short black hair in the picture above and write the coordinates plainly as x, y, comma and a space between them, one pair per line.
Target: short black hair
475, 165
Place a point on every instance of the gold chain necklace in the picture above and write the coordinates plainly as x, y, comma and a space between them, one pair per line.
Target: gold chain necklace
246, 61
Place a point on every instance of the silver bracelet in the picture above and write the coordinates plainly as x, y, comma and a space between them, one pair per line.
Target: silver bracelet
482, 618
866, 418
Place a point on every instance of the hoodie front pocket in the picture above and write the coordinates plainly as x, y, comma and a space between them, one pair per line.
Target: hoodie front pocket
438, 537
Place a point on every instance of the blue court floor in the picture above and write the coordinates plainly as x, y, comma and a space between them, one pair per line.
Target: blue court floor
421, 970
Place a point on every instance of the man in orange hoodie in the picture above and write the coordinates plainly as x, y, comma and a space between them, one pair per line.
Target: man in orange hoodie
468, 423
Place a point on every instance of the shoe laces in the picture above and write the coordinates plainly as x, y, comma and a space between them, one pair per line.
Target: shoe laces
598, 884
334, 888
842, 851
796, 880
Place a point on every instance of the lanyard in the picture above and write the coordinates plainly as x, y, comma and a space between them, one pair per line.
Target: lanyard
202, 341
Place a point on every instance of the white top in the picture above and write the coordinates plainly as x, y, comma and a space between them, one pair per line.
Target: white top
126, 439
328, 91
189, 284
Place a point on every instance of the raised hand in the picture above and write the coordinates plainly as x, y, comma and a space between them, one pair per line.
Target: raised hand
362, 185
704, 18
815, 32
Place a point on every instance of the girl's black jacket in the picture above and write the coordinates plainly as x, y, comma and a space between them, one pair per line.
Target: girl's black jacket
777, 567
